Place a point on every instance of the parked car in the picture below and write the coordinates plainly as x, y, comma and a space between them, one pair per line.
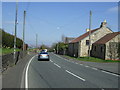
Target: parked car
43, 56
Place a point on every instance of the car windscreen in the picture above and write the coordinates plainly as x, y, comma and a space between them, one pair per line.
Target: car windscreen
43, 53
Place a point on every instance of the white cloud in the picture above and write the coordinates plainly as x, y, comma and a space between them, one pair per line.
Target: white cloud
113, 9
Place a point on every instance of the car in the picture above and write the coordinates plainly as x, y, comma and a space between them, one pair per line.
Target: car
43, 56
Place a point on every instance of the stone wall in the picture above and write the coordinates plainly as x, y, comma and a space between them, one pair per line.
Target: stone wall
8, 59
98, 51
112, 53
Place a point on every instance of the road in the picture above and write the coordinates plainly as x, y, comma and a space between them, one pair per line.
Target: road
61, 73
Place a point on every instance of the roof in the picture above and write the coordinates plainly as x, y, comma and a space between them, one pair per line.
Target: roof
107, 38
69, 39
83, 36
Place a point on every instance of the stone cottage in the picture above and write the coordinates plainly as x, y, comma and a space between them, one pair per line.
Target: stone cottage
68, 39
107, 47
79, 46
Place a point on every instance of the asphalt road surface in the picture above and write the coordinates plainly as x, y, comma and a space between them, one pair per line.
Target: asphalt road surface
61, 73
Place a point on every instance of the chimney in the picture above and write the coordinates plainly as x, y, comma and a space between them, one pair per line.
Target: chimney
87, 30
103, 24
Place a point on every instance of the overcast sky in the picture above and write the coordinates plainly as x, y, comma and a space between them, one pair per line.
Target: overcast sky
51, 20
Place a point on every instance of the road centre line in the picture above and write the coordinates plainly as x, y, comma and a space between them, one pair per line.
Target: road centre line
57, 65
76, 63
111, 73
26, 73
51, 61
86, 66
95, 68
81, 64
75, 75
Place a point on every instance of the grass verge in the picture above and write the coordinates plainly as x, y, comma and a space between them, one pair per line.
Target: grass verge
92, 59
4, 51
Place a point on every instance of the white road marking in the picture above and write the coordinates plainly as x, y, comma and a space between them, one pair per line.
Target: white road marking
22, 80
62, 58
110, 73
86, 66
75, 75
57, 65
81, 64
51, 61
95, 68
76, 63
26, 73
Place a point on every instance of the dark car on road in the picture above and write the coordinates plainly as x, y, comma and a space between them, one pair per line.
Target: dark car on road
43, 56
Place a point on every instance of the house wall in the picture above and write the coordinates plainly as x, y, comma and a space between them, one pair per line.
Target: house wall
98, 51
94, 37
73, 49
70, 49
76, 49
111, 51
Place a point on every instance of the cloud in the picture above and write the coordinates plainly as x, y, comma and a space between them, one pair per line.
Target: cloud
113, 9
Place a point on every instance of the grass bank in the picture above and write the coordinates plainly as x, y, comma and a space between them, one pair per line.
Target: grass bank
92, 59
7, 50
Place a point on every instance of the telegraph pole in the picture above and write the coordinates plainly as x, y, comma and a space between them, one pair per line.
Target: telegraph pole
24, 31
90, 21
15, 32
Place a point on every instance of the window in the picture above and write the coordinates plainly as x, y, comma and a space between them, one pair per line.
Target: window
87, 42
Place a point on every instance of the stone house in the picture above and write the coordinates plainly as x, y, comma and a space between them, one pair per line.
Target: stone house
68, 39
79, 46
107, 47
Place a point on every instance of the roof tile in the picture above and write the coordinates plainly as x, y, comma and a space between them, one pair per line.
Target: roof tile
82, 36
106, 38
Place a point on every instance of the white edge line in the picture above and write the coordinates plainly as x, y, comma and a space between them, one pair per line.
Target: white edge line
22, 80
57, 65
110, 73
26, 73
75, 75
65, 59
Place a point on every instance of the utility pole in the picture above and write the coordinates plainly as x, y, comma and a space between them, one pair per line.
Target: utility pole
24, 31
90, 33
15, 32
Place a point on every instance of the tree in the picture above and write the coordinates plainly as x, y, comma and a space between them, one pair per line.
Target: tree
62, 48
43, 47
8, 40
